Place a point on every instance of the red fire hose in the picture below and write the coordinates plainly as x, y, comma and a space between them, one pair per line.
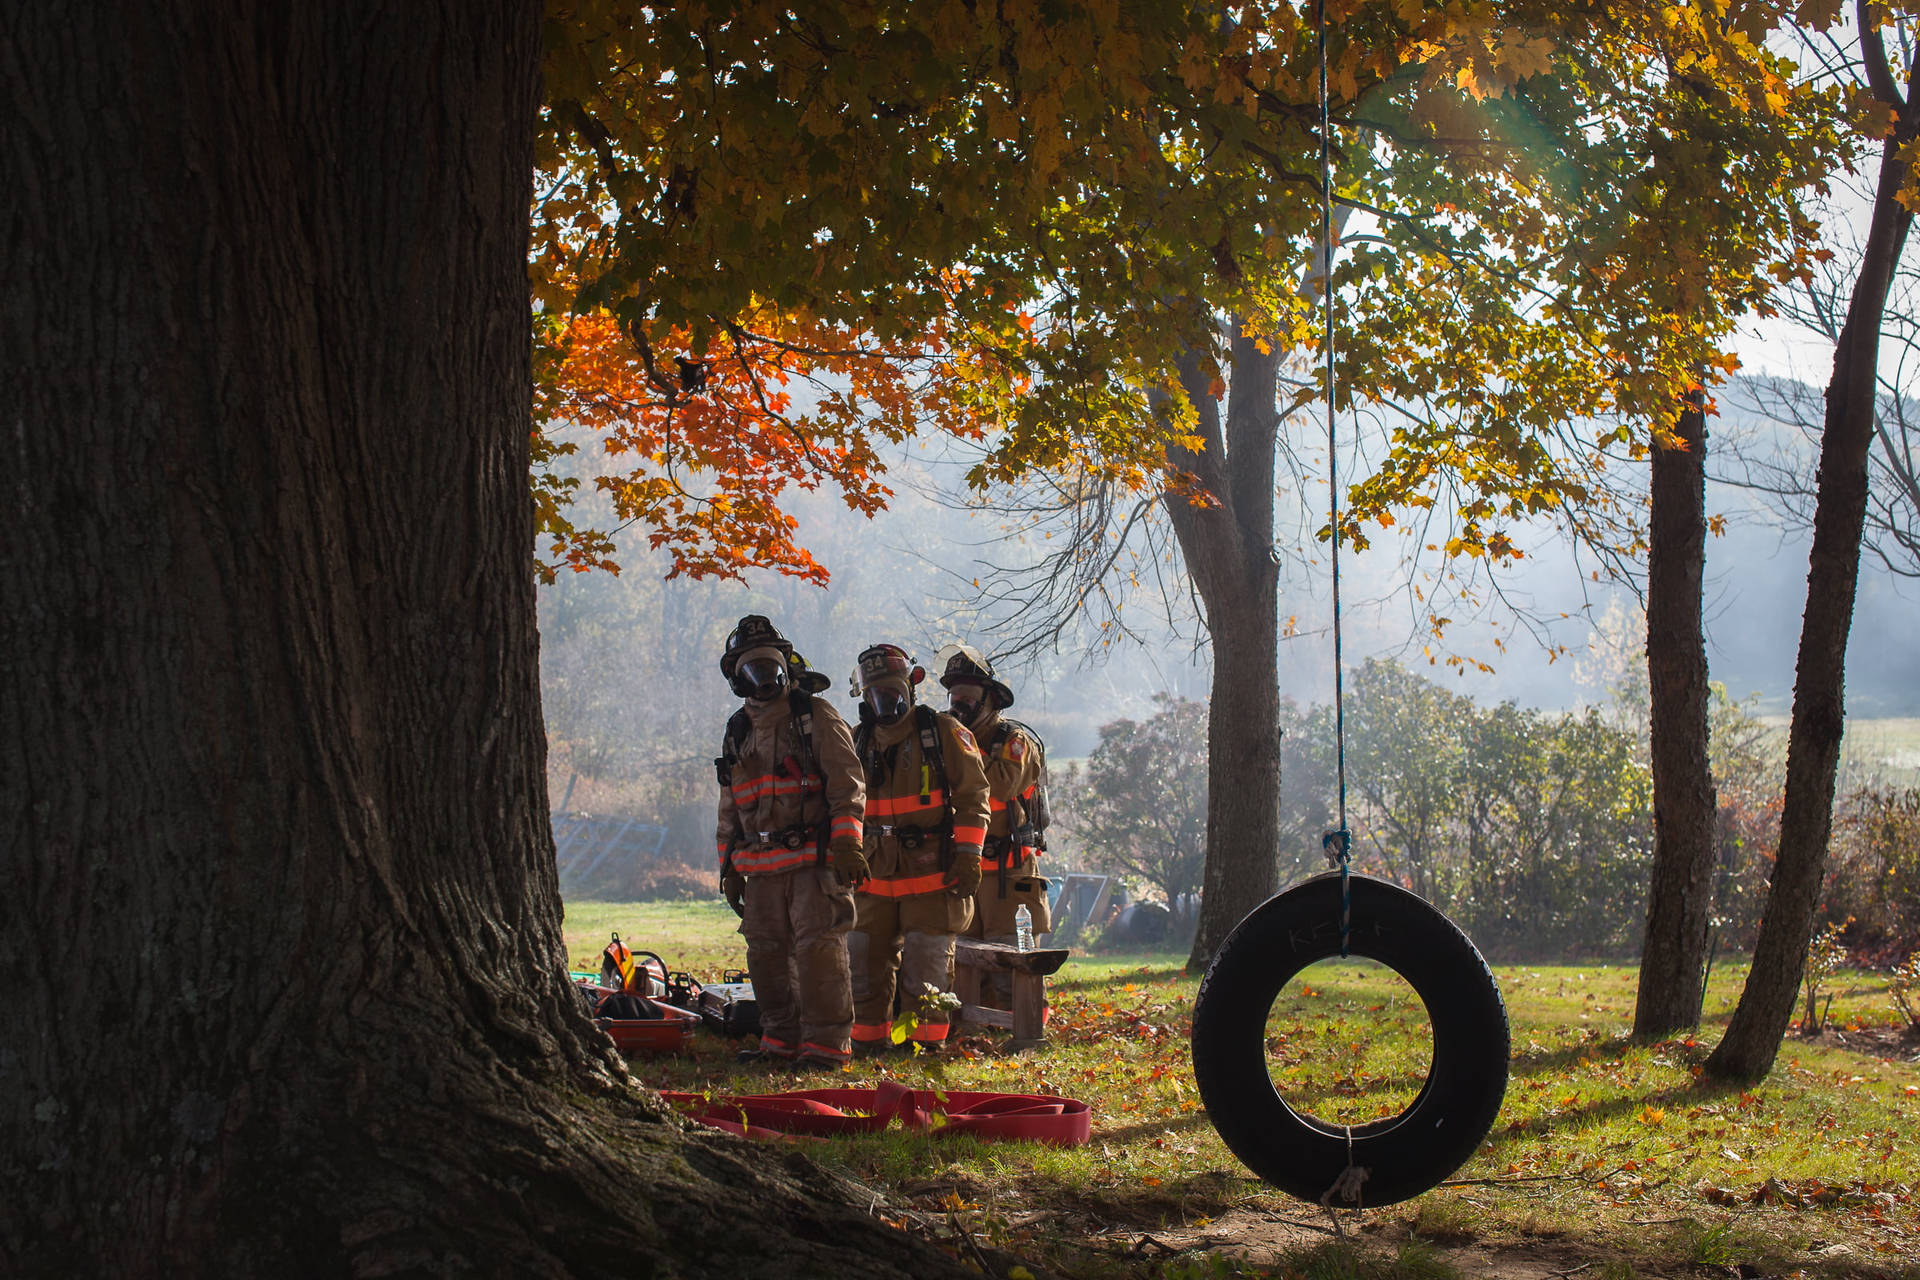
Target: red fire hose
821, 1113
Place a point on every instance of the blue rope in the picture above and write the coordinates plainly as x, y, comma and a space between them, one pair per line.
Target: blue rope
1341, 839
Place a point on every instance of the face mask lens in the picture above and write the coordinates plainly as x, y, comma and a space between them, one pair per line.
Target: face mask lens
767, 676
888, 704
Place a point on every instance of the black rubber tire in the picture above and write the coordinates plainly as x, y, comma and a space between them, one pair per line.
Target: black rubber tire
1406, 1154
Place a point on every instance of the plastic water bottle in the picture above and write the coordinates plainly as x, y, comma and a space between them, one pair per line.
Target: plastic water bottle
1023, 928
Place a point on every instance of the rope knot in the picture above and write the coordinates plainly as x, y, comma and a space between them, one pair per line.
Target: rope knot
1337, 845
1346, 1187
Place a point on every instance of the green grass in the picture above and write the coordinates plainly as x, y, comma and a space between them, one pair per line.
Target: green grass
1610, 1156
1888, 745
700, 938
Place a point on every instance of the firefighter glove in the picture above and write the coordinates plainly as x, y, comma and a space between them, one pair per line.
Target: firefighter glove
850, 861
734, 886
963, 877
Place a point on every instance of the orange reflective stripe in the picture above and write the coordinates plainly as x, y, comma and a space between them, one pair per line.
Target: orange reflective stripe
888, 806
824, 1050
1028, 793
930, 1031
1013, 856
904, 886
751, 863
748, 793
782, 1047
867, 1032
996, 806
969, 835
847, 826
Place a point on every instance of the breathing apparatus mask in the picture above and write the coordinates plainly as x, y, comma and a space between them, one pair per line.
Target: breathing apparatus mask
965, 701
888, 703
884, 682
971, 683
761, 677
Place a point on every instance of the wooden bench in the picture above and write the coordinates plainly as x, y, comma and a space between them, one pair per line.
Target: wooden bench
974, 961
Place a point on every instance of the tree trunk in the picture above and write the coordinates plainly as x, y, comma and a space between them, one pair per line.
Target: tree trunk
283, 982
1227, 542
1680, 901
1765, 1010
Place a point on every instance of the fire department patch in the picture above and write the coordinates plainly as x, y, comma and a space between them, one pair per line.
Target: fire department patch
965, 739
1016, 747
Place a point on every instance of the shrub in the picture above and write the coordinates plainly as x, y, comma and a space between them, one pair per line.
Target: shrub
1906, 990
1139, 809
1825, 955
1875, 871
673, 882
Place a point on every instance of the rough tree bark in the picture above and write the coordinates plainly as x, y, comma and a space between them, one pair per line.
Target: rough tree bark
1680, 900
1765, 1010
1227, 542
282, 986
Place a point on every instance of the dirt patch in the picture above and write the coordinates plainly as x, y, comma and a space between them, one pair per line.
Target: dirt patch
1899, 1044
1267, 1238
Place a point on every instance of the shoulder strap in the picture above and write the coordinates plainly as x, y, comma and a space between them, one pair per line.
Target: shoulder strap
1007, 726
800, 707
739, 727
929, 724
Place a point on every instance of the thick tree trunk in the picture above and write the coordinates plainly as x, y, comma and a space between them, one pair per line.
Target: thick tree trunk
282, 986
1680, 901
1227, 542
1765, 1010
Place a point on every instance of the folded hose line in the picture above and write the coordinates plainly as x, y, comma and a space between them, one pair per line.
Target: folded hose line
823, 1113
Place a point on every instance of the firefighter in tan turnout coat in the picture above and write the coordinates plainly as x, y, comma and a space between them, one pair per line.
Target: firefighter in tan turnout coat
1016, 778
925, 818
789, 836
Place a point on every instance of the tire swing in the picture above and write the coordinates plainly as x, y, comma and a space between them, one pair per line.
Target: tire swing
1387, 1160
1341, 914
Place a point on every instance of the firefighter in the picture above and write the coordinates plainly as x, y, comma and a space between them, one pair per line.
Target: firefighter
791, 799
926, 816
1016, 777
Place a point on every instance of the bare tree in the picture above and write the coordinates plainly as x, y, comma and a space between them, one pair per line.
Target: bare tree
1839, 517
1773, 460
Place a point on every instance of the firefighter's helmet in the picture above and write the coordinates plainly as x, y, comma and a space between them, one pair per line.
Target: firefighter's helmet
964, 664
884, 681
805, 677
762, 677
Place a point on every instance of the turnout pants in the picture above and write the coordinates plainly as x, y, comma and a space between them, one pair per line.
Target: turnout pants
993, 914
796, 929
903, 944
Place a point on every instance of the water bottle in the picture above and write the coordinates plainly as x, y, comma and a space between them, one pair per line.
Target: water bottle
1023, 928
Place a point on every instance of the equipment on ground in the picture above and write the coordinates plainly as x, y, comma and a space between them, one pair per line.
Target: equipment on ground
639, 973
822, 1113
635, 1023
729, 1006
